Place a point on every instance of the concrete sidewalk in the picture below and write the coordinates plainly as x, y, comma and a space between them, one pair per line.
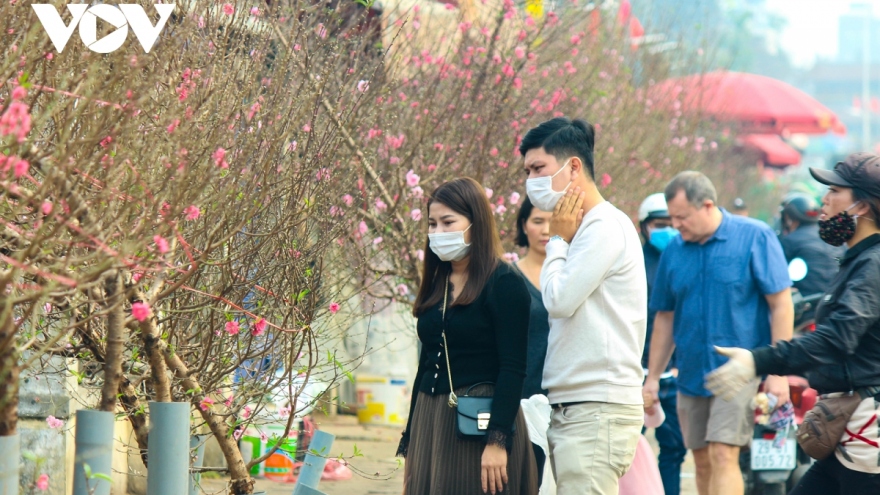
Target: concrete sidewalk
377, 471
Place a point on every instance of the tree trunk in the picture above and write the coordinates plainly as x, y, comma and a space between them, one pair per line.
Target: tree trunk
113, 297
9, 371
241, 482
154, 348
138, 418
128, 395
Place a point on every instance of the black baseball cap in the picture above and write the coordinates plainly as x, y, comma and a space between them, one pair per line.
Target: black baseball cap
858, 170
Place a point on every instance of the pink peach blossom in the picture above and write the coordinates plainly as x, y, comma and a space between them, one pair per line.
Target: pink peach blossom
161, 244
16, 120
206, 403
412, 180
43, 482
232, 327
259, 326
19, 93
21, 168
219, 157
416, 214
192, 212
228, 9
334, 307
140, 311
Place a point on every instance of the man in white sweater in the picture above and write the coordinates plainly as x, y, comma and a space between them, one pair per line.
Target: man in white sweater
593, 286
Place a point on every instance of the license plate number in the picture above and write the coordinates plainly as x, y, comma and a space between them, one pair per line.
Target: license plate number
765, 456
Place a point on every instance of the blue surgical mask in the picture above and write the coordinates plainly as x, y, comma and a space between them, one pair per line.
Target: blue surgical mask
660, 238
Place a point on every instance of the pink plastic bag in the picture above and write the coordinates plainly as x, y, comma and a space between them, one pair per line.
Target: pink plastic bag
335, 471
643, 477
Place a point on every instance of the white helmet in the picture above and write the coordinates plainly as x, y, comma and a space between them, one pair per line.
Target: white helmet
654, 206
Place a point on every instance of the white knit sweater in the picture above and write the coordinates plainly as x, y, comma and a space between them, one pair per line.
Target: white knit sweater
595, 291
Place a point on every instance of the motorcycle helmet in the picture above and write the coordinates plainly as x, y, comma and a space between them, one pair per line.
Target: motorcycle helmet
654, 206
800, 207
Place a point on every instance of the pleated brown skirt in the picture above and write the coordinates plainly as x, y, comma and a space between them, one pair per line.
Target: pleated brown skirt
440, 463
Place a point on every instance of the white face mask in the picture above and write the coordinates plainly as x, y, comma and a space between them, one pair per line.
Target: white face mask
449, 246
541, 193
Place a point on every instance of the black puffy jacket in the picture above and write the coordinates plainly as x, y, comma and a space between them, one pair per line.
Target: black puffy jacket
844, 352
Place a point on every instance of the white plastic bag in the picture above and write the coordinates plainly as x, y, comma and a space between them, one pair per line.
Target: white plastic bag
536, 410
655, 417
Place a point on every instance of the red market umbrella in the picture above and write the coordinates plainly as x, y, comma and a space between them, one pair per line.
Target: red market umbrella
762, 104
774, 151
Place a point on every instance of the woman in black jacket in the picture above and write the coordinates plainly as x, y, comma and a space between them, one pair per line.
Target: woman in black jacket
843, 354
487, 325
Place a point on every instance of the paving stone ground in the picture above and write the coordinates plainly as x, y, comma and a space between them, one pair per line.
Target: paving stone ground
382, 474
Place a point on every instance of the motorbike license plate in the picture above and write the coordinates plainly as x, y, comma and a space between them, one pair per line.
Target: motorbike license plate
766, 456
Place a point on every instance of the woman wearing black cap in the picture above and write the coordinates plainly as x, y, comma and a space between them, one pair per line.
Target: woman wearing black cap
843, 354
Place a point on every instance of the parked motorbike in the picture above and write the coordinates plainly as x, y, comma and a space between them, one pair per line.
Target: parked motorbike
770, 466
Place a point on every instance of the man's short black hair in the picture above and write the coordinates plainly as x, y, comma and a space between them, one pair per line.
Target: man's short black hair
522, 239
563, 138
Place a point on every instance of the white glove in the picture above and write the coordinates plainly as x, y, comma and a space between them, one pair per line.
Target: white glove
729, 379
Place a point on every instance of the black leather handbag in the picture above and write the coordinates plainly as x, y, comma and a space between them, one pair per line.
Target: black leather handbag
472, 413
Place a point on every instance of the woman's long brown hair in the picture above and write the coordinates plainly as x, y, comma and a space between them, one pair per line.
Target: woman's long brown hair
466, 197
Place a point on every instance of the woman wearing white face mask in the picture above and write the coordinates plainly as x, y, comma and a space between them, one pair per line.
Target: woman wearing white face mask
842, 356
485, 325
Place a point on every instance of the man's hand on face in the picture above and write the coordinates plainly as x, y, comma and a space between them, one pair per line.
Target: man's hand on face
567, 215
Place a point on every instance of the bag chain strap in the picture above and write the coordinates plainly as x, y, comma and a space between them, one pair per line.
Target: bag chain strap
453, 399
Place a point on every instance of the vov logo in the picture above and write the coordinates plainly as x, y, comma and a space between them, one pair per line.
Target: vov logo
86, 17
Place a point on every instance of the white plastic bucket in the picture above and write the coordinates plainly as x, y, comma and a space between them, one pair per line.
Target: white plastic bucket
382, 400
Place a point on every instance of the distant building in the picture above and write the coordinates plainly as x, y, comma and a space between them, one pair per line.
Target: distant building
850, 36
837, 83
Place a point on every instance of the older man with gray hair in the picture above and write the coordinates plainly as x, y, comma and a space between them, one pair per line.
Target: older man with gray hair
723, 281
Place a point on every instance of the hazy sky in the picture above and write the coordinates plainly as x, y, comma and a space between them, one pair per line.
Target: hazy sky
812, 26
